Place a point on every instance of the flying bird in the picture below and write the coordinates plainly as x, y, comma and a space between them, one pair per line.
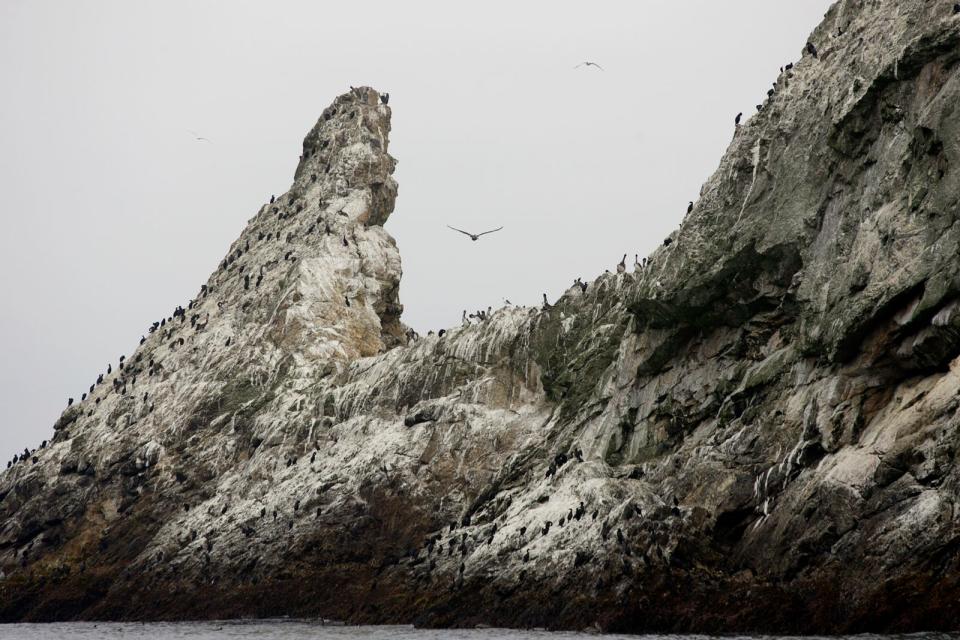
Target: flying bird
474, 236
198, 137
586, 63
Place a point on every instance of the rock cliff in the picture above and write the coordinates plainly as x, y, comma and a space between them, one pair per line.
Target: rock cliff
757, 430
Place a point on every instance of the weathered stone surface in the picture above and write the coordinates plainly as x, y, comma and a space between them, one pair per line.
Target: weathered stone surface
757, 431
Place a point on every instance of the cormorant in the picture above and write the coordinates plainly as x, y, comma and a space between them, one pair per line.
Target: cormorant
143, 339
385, 98
622, 265
272, 198
690, 207
736, 121
811, 49
345, 243
668, 242
69, 401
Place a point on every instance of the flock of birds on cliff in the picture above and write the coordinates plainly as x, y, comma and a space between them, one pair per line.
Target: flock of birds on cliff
638, 265
130, 371
169, 327
433, 546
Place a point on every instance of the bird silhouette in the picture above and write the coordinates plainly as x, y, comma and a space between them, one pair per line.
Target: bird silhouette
198, 137
586, 63
474, 236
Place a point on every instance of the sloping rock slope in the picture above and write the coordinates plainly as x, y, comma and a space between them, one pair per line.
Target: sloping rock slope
756, 431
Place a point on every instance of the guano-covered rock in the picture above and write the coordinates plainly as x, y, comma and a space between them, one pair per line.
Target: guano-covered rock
757, 431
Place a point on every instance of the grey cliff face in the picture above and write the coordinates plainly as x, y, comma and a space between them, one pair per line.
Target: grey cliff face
755, 431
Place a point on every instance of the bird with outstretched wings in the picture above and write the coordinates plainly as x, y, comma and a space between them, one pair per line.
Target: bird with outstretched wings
587, 63
475, 236
198, 137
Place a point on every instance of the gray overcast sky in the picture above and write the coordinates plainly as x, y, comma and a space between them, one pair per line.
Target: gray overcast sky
112, 214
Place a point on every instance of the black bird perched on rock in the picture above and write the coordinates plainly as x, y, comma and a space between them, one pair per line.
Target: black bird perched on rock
83, 397
272, 198
546, 305
345, 243
475, 236
385, 98
956, 9
69, 401
668, 242
143, 339
690, 207
811, 49
736, 121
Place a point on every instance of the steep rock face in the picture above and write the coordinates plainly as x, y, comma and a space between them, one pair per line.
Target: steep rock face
756, 431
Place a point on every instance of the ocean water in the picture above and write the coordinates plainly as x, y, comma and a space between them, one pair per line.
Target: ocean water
315, 630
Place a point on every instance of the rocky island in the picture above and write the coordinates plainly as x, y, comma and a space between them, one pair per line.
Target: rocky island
756, 430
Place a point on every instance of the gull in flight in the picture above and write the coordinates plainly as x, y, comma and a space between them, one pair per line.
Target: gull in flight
476, 236
588, 64
198, 137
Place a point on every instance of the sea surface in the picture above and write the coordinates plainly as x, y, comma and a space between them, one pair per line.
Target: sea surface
315, 630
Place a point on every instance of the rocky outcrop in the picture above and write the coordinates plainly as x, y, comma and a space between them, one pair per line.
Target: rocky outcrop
755, 431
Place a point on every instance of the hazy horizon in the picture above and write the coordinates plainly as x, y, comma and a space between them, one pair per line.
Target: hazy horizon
116, 214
